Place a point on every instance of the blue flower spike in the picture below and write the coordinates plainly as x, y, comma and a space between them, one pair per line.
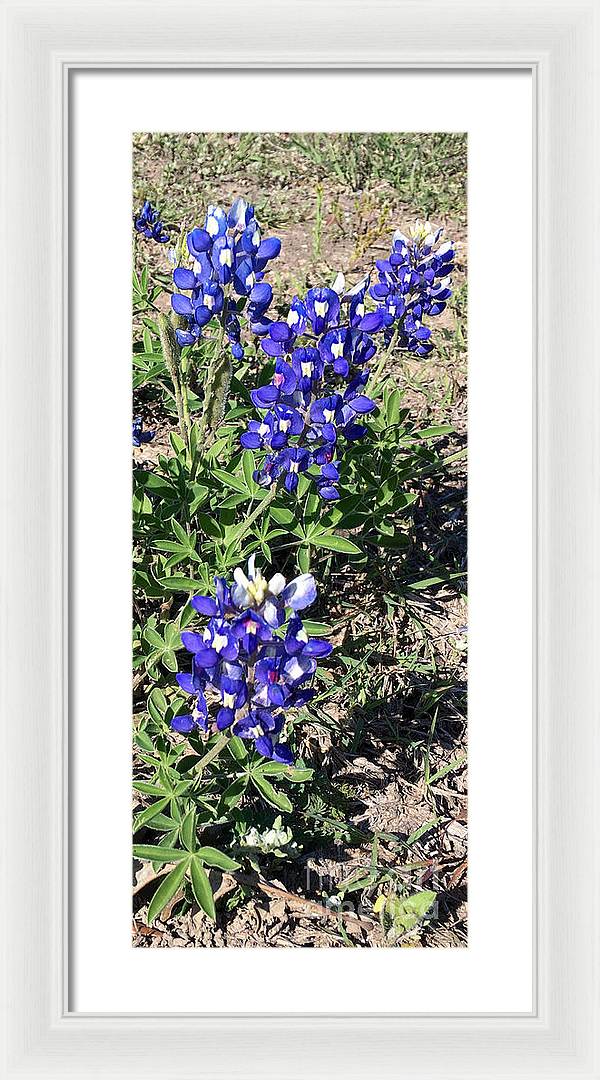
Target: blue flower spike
255, 655
316, 400
229, 259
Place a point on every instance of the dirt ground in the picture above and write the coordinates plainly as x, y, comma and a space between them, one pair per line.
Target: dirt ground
402, 781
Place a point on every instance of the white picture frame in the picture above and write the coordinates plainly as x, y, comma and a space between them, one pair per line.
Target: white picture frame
42, 42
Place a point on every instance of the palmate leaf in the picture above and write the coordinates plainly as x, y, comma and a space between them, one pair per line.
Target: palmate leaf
188, 830
167, 889
201, 887
230, 480
333, 542
272, 796
153, 853
150, 812
287, 772
213, 857
232, 795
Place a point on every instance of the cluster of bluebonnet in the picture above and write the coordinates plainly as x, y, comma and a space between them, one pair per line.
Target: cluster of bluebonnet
316, 397
148, 222
414, 282
255, 655
229, 259
138, 434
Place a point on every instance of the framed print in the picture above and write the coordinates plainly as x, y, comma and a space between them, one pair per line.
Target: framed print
348, 249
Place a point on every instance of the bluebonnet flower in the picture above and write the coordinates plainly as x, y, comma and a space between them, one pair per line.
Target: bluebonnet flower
306, 402
229, 259
255, 672
322, 353
138, 435
414, 282
322, 308
148, 222
263, 726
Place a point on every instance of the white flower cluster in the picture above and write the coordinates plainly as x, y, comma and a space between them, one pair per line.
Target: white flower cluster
271, 840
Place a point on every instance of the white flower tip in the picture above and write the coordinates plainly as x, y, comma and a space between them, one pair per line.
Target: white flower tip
240, 577
339, 283
276, 584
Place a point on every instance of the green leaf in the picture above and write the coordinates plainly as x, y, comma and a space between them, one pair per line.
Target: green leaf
281, 515
431, 432
152, 482
157, 705
170, 661
150, 812
230, 480
237, 749
398, 542
199, 495
333, 542
209, 526
393, 407
287, 772
148, 789
268, 792
418, 833
213, 857
426, 583
176, 442
248, 467
405, 912
188, 830
153, 638
158, 854
450, 767
201, 888
304, 559
178, 583
317, 629
180, 532
167, 889
232, 795
143, 740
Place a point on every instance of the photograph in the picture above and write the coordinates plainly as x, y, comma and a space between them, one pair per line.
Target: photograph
299, 558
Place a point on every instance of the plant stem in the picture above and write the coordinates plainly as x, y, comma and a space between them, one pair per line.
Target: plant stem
212, 754
383, 359
241, 529
170, 351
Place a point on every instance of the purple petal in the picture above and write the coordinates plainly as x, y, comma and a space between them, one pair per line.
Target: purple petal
181, 304
269, 249
198, 241
251, 440
264, 746
184, 279
361, 404
182, 724
192, 642
205, 605
318, 648
283, 754
264, 396
186, 682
